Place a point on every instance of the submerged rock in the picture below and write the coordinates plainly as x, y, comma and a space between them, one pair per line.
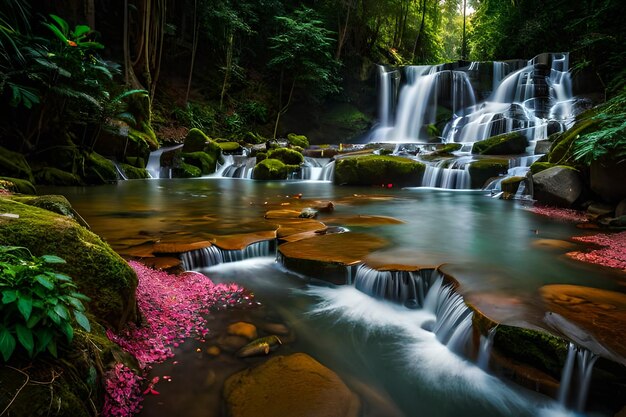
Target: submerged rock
261, 346
247, 330
294, 385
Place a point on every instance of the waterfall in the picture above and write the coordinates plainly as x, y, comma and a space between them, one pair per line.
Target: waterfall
154, 163
236, 166
385, 95
405, 287
328, 172
450, 174
484, 349
500, 70
560, 82
213, 255
121, 175
313, 169
577, 388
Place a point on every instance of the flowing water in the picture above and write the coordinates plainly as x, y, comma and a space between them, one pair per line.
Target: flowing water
401, 361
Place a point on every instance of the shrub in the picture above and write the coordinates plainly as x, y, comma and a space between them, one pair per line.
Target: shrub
38, 305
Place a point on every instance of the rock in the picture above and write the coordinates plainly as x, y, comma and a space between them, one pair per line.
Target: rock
308, 213
506, 144
596, 211
553, 127
536, 167
213, 351
231, 343
230, 148
243, 329
97, 270
620, 210
542, 146
134, 173
608, 179
203, 161
179, 247
195, 141
298, 140
560, 186
17, 185
295, 385
484, 169
276, 328
378, 170
99, 170
510, 186
261, 346
55, 176
561, 151
272, 169
286, 156
14, 165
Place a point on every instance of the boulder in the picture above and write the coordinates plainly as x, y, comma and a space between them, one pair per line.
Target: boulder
243, 329
286, 156
298, 140
620, 210
14, 165
295, 385
17, 185
484, 169
378, 170
542, 147
510, 186
272, 169
506, 144
195, 141
559, 186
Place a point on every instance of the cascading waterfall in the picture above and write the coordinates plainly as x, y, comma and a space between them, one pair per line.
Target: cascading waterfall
450, 174
119, 171
328, 172
484, 349
576, 388
405, 287
213, 255
313, 169
500, 70
154, 163
236, 166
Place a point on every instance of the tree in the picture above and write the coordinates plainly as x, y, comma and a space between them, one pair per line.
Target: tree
302, 54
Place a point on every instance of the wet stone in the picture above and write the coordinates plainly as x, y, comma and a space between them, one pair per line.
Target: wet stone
243, 329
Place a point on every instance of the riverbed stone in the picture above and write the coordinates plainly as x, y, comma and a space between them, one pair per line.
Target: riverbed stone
404, 260
560, 186
362, 220
240, 241
378, 170
179, 246
247, 330
513, 143
295, 385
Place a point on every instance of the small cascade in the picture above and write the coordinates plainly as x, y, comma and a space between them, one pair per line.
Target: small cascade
484, 349
154, 168
313, 169
452, 174
500, 70
404, 287
121, 175
213, 255
328, 172
236, 166
574, 386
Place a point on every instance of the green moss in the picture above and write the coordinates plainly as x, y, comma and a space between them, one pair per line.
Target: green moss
229, 147
377, 170
506, 144
136, 161
97, 270
562, 149
99, 170
286, 156
536, 348
272, 169
183, 170
17, 185
139, 144
448, 148
511, 185
14, 165
67, 158
55, 203
540, 166
202, 160
55, 176
484, 169
195, 141
298, 140
260, 156
254, 138
134, 173
149, 136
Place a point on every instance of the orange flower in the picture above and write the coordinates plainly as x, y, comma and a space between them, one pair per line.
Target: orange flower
71, 43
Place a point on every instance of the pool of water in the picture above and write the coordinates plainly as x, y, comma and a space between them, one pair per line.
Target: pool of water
379, 349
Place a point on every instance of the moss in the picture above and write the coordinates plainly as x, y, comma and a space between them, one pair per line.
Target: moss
377, 170
17, 185
195, 141
139, 144
448, 148
14, 165
183, 170
97, 270
298, 140
67, 158
260, 156
506, 144
202, 160
149, 136
272, 169
134, 173
99, 170
136, 161
561, 151
55, 203
484, 169
540, 166
55, 176
286, 156
254, 138
229, 147
511, 185
536, 348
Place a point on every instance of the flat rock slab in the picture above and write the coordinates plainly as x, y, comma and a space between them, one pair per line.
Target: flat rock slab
600, 313
179, 247
362, 220
295, 385
242, 240
298, 229
403, 260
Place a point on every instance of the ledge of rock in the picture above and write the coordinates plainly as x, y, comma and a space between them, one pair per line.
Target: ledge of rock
241, 241
403, 260
362, 220
294, 385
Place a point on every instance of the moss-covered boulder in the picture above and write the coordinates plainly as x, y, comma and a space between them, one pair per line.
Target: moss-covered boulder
539, 166
202, 160
99, 170
510, 186
183, 170
506, 144
14, 165
55, 176
482, 170
134, 173
272, 169
136, 161
97, 270
558, 186
229, 147
294, 385
448, 148
562, 149
377, 170
195, 141
286, 156
17, 185
298, 140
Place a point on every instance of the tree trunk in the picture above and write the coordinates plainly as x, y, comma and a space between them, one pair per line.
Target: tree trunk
419, 32
227, 70
282, 109
193, 49
90, 14
342, 32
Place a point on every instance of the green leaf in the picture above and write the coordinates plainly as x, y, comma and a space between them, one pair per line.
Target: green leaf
67, 330
82, 320
52, 347
44, 336
80, 30
25, 336
80, 296
9, 296
76, 303
57, 32
7, 344
52, 259
43, 280
61, 310
54, 317
62, 277
93, 45
62, 23
33, 320
25, 305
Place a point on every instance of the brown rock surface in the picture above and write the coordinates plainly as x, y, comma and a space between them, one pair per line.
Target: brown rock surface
362, 220
241, 240
247, 330
403, 260
179, 247
295, 385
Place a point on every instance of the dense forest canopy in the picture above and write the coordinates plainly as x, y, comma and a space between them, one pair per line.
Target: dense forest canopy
233, 68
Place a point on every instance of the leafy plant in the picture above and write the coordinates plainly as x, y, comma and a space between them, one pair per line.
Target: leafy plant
38, 304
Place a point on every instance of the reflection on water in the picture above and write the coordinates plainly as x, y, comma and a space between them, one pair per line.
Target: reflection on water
401, 368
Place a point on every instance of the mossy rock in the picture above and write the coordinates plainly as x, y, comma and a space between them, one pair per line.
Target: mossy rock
14, 165
298, 140
286, 156
99, 170
134, 173
202, 160
448, 148
533, 347
536, 167
67, 158
229, 147
562, 149
183, 170
55, 176
272, 169
506, 144
484, 169
213, 148
377, 170
55, 203
195, 141
260, 156
97, 270
17, 185
150, 136
511, 185
136, 161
